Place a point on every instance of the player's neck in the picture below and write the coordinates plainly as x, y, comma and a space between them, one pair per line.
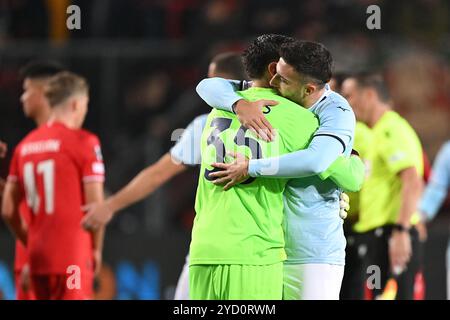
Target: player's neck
377, 113
313, 98
260, 83
63, 118
42, 118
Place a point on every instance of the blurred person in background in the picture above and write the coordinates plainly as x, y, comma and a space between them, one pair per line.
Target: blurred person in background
147, 97
336, 81
226, 65
36, 76
56, 168
391, 191
185, 153
3, 150
436, 192
355, 250
353, 282
188, 104
354, 276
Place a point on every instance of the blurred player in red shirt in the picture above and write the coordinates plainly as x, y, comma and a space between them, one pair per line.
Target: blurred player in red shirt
58, 168
3, 150
35, 76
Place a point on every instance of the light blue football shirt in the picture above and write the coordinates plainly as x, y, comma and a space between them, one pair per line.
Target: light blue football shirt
314, 229
437, 188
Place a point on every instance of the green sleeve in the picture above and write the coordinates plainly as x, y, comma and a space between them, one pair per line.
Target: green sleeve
347, 172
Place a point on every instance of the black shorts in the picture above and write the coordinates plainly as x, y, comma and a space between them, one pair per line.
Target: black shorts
353, 283
377, 242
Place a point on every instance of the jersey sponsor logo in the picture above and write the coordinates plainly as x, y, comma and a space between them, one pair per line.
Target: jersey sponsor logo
40, 147
98, 168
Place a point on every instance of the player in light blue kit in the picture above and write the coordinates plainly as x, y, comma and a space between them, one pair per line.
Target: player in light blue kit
315, 242
436, 192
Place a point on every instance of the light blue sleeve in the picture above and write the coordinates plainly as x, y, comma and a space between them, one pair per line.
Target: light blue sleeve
337, 119
188, 146
437, 188
321, 152
220, 93
333, 138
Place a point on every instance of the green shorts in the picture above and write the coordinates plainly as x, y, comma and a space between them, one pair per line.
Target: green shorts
236, 282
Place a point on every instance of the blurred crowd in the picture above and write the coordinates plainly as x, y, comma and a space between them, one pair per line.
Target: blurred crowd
214, 20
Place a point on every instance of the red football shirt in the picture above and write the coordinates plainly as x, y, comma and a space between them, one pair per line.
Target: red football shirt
51, 164
21, 256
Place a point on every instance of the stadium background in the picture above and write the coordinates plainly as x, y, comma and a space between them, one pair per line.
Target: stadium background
143, 59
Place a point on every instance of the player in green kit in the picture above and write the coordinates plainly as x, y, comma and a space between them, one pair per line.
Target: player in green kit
237, 249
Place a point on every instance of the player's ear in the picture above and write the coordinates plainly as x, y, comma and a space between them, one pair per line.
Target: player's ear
73, 103
371, 93
310, 88
272, 67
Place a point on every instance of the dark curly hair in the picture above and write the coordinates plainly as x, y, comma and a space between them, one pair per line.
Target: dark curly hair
310, 59
261, 52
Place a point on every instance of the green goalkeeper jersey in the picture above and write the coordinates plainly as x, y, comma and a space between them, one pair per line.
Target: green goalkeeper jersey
244, 224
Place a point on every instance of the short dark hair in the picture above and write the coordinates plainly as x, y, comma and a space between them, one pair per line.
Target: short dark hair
41, 69
373, 80
310, 59
261, 52
63, 85
230, 63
